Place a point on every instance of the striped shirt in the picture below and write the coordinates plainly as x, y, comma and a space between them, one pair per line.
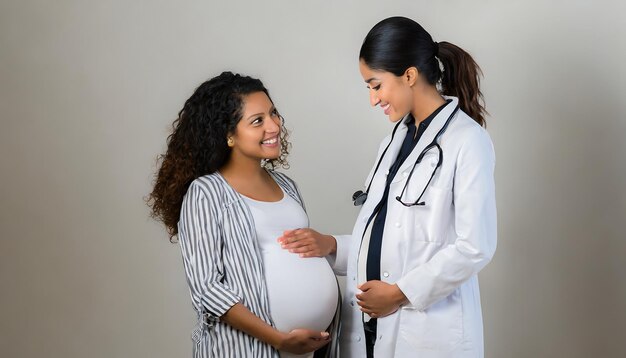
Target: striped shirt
223, 265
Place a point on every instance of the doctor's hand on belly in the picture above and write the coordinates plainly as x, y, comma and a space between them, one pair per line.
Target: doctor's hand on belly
380, 299
308, 243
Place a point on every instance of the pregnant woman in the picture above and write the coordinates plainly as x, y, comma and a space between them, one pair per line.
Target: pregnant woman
217, 191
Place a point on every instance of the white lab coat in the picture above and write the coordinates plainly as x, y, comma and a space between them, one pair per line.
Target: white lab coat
432, 252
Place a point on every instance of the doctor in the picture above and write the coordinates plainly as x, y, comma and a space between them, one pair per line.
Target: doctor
428, 221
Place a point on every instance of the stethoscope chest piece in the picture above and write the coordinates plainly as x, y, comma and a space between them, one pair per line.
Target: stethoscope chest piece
359, 197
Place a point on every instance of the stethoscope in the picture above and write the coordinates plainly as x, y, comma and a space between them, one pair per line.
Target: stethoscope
359, 197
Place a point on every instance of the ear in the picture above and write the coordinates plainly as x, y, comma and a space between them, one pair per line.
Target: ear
230, 138
410, 76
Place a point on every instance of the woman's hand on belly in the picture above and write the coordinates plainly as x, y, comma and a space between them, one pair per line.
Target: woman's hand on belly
301, 341
380, 299
308, 243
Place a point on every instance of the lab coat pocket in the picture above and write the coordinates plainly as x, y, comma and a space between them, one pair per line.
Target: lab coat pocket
438, 214
430, 222
439, 327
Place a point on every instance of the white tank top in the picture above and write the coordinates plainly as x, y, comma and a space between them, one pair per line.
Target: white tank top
302, 292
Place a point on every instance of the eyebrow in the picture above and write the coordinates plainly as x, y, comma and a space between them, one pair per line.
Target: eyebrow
371, 79
272, 108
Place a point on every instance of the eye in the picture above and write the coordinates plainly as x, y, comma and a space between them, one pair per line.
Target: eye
257, 120
376, 88
274, 112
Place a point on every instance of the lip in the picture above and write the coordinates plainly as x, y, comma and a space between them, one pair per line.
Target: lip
275, 143
386, 108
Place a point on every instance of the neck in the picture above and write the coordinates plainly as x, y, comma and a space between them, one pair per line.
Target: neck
239, 167
426, 103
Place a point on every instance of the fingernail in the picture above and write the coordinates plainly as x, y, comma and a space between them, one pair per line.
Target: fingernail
325, 334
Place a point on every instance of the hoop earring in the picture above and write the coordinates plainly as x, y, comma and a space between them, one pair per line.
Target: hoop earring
230, 142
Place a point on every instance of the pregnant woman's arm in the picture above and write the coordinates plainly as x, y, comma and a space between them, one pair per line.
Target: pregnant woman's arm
201, 245
298, 341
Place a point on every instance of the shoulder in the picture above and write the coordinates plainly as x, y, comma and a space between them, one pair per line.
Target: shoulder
283, 179
211, 183
471, 136
210, 188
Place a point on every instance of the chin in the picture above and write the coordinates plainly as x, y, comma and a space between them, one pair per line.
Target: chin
272, 156
395, 117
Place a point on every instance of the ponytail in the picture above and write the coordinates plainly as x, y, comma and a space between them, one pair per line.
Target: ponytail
461, 78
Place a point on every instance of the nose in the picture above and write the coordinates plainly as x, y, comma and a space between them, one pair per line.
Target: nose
374, 100
273, 126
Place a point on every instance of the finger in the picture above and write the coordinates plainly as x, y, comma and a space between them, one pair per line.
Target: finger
321, 343
295, 244
364, 305
365, 286
302, 249
364, 296
286, 235
325, 337
289, 233
318, 335
312, 253
294, 238
315, 345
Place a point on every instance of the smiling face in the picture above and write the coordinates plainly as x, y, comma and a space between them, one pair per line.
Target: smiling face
257, 135
392, 93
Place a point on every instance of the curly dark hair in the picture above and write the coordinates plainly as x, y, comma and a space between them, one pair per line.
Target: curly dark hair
198, 143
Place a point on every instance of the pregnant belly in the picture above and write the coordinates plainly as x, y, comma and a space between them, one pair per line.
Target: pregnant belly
302, 292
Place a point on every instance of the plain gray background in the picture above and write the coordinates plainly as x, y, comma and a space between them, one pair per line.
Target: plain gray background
88, 91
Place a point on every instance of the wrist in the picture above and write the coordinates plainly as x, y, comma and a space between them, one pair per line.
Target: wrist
399, 297
333, 244
276, 339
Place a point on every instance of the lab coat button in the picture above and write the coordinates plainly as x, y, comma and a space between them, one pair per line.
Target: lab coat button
358, 338
398, 225
385, 274
352, 303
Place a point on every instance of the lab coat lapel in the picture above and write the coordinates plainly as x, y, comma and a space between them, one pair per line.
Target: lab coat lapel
380, 177
427, 137
394, 149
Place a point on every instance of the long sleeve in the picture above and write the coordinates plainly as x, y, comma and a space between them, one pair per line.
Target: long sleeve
475, 225
339, 260
201, 245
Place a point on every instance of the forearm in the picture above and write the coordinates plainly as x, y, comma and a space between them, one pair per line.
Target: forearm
440, 276
240, 317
